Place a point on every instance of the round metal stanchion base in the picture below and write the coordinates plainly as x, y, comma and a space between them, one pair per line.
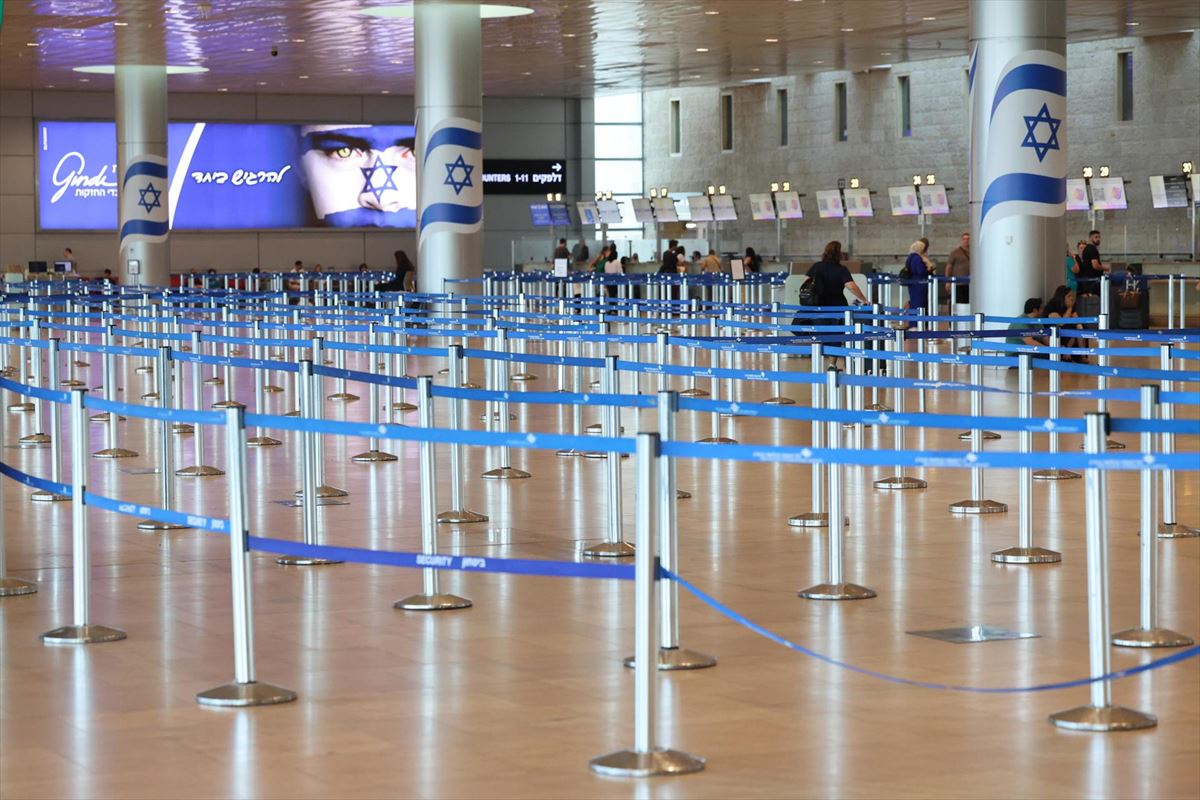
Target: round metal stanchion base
292, 414
144, 370
837, 591
812, 519
597, 429
34, 440
717, 440
672, 658
978, 507
343, 397
155, 525
523, 376
432, 602
241, 695
182, 428
103, 417
683, 494
460, 516
1111, 444
215, 380
632, 764
1151, 637
271, 388
965, 436
1054, 475
405, 407
568, 453
693, 393
42, 496
150, 396
199, 471
879, 407
1102, 720
71, 383
505, 473
228, 404
600, 454
20, 408
262, 441
901, 482
470, 385
305, 561
83, 634
1176, 530
610, 550
496, 416
779, 401
114, 452
373, 457
325, 490
81, 364
12, 587
442, 371
1026, 555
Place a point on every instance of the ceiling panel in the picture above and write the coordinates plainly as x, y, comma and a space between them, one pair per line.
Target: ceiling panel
575, 48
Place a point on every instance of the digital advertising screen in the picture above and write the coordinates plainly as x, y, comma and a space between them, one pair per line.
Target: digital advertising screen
858, 203
904, 201
560, 216
829, 204
1077, 198
700, 209
1168, 191
1108, 194
934, 199
237, 175
761, 207
723, 209
539, 214
788, 205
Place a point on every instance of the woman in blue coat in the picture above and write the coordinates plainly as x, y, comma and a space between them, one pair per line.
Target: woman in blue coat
918, 270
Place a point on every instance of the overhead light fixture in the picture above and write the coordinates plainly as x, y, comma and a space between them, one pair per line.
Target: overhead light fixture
653, 194
916, 180
549, 196
526, 74
929, 19
847, 30
930, 179
486, 11
1188, 167
854, 183
172, 69
119, 24
711, 190
223, 89
568, 36
721, 189
689, 225
1087, 172
774, 187
1104, 171
770, 40
1132, 24
701, 49
662, 192
302, 77
711, 13
787, 186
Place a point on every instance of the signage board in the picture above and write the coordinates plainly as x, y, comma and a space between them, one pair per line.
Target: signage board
904, 201
524, 176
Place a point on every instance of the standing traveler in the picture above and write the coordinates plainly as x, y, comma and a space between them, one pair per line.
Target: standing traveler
561, 251
1091, 266
916, 270
752, 261
670, 258
711, 263
959, 266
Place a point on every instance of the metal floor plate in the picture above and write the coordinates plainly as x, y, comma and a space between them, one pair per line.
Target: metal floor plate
973, 633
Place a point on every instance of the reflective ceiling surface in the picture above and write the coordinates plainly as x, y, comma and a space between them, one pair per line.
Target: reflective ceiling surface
575, 48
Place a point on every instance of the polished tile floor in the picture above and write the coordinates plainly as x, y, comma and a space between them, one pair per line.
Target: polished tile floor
512, 697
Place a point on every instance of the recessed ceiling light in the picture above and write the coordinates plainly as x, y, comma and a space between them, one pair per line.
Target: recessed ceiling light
260, 83
299, 41
1132, 24
770, 40
506, 44
526, 74
247, 49
929, 19
711, 13
847, 30
32, 44
121, 24
486, 11
818, 62
385, 91
701, 49
347, 69
302, 77
886, 53
223, 89
84, 80
755, 69
172, 69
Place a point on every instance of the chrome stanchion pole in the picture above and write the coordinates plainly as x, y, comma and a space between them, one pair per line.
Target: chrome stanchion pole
55, 438
431, 598
505, 471
522, 373
615, 545
1148, 633
1025, 552
199, 469
260, 439
11, 587
899, 480
229, 381
1099, 715
817, 517
1169, 527
21, 405
670, 655
661, 342
977, 379
836, 587
1102, 361
316, 407
114, 449
38, 437
576, 408
977, 504
693, 390
646, 758
779, 398
458, 512
373, 455
714, 364
1053, 473
341, 395
245, 690
310, 494
166, 459
81, 631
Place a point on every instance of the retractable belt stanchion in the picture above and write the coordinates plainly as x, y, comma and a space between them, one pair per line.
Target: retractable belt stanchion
899, 480
1102, 360
977, 379
81, 630
374, 454
603, 328
1025, 552
977, 504
431, 598
505, 471
693, 390
458, 512
817, 517
878, 367
610, 383
400, 365
1100, 714
114, 449
55, 437
230, 379
341, 395
245, 690
1053, 473
180, 428
166, 456
714, 363
615, 545
21, 404
835, 587
310, 493
38, 437
522, 373
1148, 633
199, 469
1169, 527
316, 408
10, 587
646, 759
260, 439
576, 408
670, 655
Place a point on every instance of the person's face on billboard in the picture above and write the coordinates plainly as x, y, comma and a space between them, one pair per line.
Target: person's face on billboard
360, 175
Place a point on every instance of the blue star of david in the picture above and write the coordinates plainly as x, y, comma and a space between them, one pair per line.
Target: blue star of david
153, 194
370, 184
1031, 123
466, 168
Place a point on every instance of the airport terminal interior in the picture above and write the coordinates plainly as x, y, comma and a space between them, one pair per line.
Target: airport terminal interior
599, 399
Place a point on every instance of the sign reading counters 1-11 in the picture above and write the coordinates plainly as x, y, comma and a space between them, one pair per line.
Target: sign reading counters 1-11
524, 176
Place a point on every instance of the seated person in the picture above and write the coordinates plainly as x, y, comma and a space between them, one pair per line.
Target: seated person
1033, 310
1062, 306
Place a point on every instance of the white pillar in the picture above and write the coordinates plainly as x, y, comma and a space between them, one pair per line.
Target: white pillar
1018, 151
449, 97
141, 94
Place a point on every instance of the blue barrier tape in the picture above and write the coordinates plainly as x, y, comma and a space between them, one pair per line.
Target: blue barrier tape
230, 361
549, 398
19, 342
530, 358
1132, 373
153, 412
34, 481
741, 619
398, 381
218, 524
116, 350
50, 395
396, 350
928, 358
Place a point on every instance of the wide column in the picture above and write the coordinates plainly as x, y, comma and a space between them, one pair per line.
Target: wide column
141, 94
1018, 151
449, 97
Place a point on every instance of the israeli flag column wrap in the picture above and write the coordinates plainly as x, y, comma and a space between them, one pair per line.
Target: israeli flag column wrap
449, 97
1017, 83
141, 105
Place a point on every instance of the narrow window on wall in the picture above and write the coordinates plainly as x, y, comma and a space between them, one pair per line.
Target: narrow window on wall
676, 131
1125, 86
902, 86
781, 103
727, 123
839, 112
